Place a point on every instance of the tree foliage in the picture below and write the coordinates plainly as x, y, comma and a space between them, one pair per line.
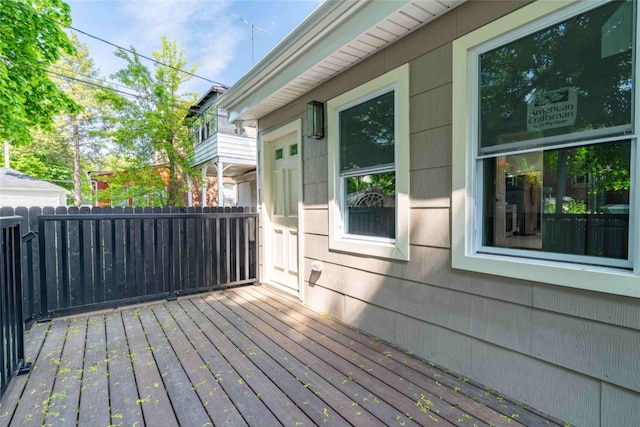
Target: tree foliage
77, 128
48, 157
31, 38
149, 128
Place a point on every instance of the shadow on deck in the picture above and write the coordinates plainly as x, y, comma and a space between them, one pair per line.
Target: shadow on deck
246, 356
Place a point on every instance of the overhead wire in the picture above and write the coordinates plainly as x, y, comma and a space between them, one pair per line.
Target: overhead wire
89, 83
133, 52
89, 76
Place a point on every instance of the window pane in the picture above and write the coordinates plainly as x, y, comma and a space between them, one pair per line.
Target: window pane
573, 76
571, 201
367, 134
371, 205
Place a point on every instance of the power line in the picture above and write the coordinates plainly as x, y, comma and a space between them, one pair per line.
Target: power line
89, 76
117, 46
89, 83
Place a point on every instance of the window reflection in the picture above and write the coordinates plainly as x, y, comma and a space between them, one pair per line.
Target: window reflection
570, 200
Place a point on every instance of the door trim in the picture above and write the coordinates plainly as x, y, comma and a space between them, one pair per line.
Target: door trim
293, 127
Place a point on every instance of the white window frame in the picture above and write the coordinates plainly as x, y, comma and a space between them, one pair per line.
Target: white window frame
339, 240
467, 188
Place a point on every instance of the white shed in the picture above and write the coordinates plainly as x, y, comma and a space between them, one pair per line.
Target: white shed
18, 189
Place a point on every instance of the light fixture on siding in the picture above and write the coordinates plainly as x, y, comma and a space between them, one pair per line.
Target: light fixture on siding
315, 120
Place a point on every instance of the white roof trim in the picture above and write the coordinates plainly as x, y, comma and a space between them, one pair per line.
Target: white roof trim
336, 36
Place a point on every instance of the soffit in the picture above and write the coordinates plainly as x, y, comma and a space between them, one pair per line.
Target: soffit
334, 38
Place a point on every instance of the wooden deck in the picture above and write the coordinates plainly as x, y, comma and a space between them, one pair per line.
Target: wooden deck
246, 356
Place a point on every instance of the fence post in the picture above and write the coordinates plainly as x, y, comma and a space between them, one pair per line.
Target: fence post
43, 316
11, 310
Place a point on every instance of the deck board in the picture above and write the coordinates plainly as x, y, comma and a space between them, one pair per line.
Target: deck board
247, 356
15, 391
155, 403
386, 357
94, 392
324, 363
278, 408
65, 399
490, 407
123, 392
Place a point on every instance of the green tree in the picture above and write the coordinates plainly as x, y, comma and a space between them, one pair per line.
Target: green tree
31, 38
47, 157
71, 73
149, 129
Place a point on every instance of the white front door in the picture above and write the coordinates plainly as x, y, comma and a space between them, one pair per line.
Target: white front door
282, 194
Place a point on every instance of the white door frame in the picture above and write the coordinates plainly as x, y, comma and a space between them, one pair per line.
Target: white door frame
292, 127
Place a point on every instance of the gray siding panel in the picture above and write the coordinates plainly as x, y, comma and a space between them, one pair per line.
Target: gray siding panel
606, 308
430, 227
620, 407
431, 109
554, 390
431, 188
433, 342
502, 323
609, 353
316, 195
431, 148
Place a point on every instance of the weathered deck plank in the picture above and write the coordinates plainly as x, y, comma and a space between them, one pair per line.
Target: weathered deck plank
289, 393
156, 407
193, 350
278, 409
491, 407
385, 356
124, 398
312, 388
247, 356
95, 380
323, 363
33, 347
403, 398
65, 399
186, 403
35, 401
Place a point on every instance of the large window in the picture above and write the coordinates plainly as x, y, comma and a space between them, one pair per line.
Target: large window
368, 159
550, 144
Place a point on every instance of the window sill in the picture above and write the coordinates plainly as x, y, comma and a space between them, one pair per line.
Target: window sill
370, 247
587, 277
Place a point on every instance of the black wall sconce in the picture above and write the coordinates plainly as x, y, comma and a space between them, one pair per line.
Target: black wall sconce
315, 120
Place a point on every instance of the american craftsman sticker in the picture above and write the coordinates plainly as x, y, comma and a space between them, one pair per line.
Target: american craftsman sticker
554, 109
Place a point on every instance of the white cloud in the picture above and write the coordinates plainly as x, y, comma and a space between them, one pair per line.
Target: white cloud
209, 38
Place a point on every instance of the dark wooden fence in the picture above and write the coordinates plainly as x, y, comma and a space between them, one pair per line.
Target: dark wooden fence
11, 320
601, 235
92, 258
373, 221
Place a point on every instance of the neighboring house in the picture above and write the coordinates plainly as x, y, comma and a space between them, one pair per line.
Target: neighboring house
19, 189
224, 151
127, 194
506, 135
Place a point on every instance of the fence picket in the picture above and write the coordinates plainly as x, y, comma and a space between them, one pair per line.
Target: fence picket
99, 258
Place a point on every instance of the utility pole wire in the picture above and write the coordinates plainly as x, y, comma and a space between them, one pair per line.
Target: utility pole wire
253, 26
24, 6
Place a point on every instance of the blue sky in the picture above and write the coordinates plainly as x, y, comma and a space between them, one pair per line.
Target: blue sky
212, 35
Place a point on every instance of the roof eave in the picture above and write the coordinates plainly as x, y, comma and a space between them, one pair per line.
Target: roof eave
330, 26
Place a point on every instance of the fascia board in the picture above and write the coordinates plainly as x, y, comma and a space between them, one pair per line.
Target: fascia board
310, 43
